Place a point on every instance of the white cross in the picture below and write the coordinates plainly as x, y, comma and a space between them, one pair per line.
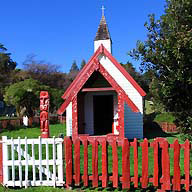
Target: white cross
103, 9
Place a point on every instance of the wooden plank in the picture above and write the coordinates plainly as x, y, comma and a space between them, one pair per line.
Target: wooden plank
47, 159
35, 141
165, 166
135, 152
77, 161
13, 160
68, 160
97, 89
156, 163
95, 163
104, 163
26, 163
40, 160
85, 172
176, 175
54, 162
59, 162
126, 165
20, 165
5, 159
144, 179
115, 163
187, 164
33, 159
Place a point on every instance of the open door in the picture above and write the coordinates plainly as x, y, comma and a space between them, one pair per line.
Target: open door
103, 114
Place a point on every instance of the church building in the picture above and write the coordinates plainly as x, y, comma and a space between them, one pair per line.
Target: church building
103, 100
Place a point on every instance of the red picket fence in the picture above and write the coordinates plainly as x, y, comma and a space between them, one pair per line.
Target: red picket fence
77, 151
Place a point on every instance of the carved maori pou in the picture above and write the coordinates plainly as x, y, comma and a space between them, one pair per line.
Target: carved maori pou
44, 114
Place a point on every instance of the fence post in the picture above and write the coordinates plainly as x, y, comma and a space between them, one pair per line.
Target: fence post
187, 164
165, 166
135, 152
5, 158
144, 163
176, 175
115, 163
95, 163
77, 160
68, 160
1, 162
85, 172
104, 163
125, 164
155, 146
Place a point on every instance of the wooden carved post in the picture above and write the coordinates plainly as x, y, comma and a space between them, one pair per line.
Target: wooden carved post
44, 114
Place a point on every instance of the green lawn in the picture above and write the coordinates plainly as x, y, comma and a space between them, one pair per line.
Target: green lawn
57, 129
33, 189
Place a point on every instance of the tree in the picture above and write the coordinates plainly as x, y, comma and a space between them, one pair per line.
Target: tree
73, 71
24, 95
74, 67
48, 74
167, 51
6, 63
7, 66
83, 62
32, 65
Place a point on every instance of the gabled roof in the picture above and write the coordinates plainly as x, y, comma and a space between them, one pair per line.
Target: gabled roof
102, 32
94, 65
103, 50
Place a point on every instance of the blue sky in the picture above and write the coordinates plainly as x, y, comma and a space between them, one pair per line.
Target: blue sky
60, 31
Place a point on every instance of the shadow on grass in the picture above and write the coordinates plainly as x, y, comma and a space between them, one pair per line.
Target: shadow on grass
18, 127
110, 187
152, 129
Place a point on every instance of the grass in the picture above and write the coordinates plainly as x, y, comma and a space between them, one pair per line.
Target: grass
33, 189
153, 115
57, 129
164, 117
7, 118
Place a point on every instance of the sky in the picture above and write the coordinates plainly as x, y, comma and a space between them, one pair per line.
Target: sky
61, 31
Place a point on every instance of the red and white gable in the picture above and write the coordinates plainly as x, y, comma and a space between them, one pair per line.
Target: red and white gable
103, 99
126, 88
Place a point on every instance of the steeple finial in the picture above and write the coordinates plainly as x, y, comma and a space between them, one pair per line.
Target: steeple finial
102, 35
103, 10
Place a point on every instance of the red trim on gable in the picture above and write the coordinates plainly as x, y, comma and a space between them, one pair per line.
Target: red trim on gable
98, 89
81, 73
87, 73
103, 50
63, 107
94, 65
123, 71
114, 84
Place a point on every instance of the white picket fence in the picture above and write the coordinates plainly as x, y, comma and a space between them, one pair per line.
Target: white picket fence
32, 162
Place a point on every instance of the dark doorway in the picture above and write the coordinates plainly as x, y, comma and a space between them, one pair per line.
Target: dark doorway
103, 114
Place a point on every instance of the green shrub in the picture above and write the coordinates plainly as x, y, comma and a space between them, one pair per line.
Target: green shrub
165, 117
